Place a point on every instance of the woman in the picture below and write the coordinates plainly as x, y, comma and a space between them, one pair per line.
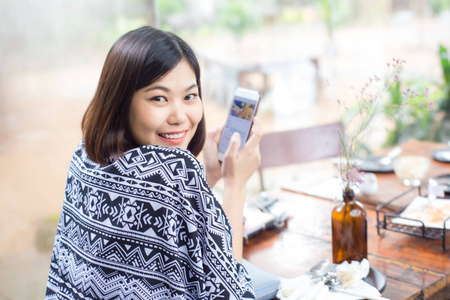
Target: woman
139, 220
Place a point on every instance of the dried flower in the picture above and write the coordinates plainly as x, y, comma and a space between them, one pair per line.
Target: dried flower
368, 110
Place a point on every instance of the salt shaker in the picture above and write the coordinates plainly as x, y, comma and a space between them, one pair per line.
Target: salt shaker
434, 190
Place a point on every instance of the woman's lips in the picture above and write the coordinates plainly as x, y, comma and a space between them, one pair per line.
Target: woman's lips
173, 137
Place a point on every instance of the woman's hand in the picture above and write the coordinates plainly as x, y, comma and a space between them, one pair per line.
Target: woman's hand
238, 166
211, 162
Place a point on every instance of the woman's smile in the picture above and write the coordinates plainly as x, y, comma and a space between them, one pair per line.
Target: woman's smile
173, 137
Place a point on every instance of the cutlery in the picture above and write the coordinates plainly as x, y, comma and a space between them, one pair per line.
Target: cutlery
324, 269
321, 268
387, 159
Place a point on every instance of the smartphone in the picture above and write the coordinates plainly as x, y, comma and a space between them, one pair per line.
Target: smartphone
240, 118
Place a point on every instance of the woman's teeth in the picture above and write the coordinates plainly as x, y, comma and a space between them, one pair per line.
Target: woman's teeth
172, 135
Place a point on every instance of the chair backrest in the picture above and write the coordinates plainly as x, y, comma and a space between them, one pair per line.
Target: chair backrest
299, 146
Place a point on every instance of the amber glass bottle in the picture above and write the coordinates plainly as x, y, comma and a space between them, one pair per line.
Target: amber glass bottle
349, 229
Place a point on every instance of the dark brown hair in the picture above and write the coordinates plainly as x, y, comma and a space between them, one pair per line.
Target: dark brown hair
138, 58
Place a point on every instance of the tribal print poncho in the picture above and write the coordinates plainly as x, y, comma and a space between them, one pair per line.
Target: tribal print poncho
144, 227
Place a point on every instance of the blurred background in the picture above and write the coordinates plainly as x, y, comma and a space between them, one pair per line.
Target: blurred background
302, 54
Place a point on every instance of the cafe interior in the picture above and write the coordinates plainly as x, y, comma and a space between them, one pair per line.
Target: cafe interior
352, 197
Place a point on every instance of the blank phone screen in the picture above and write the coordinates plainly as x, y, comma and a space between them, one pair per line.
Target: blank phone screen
239, 120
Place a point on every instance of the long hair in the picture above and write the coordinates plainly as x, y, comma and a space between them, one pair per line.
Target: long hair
138, 58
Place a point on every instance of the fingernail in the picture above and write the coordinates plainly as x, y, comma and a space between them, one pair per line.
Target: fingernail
235, 136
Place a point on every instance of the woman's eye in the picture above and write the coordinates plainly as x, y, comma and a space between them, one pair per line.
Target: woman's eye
191, 97
158, 99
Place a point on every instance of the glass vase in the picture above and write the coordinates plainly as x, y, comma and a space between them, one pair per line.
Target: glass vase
349, 229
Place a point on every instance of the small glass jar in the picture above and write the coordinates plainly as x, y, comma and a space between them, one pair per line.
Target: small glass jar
349, 229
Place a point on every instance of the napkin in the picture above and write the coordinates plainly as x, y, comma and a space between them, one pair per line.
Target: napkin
351, 274
303, 288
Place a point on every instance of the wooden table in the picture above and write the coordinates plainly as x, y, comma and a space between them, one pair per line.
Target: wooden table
390, 185
415, 268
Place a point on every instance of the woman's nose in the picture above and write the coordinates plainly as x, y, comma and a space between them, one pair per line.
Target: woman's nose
177, 114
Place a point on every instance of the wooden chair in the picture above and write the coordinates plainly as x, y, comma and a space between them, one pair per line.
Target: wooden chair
299, 146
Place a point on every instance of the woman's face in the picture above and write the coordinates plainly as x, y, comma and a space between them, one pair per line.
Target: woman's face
167, 112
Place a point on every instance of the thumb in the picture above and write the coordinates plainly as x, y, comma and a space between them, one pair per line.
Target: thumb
235, 143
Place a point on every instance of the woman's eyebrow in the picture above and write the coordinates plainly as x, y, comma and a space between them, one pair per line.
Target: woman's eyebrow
166, 89
157, 87
191, 87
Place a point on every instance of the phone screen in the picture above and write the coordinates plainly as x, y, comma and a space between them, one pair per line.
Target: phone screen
239, 120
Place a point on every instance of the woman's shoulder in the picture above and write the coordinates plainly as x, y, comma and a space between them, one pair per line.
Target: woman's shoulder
142, 161
157, 154
140, 155
145, 160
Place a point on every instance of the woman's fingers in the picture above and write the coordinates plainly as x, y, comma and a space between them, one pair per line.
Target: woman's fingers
256, 133
215, 134
211, 163
235, 143
252, 144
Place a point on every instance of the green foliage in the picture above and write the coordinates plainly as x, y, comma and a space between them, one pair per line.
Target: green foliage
443, 132
169, 7
430, 125
445, 64
439, 5
325, 6
237, 16
403, 109
291, 15
413, 120
166, 8
336, 13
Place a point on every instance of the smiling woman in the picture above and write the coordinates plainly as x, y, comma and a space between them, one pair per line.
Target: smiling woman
136, 65
139, 219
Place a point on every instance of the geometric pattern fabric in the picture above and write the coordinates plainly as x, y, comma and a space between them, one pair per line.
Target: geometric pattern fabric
144, 227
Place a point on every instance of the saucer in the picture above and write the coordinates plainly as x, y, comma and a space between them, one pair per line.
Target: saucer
442, 155
371, 164
376, 279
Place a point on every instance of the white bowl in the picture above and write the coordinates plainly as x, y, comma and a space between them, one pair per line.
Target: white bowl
411, 169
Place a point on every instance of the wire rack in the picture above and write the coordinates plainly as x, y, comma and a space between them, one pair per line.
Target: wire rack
417, 227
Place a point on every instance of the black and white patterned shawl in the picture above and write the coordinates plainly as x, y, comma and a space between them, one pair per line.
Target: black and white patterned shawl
145, 227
